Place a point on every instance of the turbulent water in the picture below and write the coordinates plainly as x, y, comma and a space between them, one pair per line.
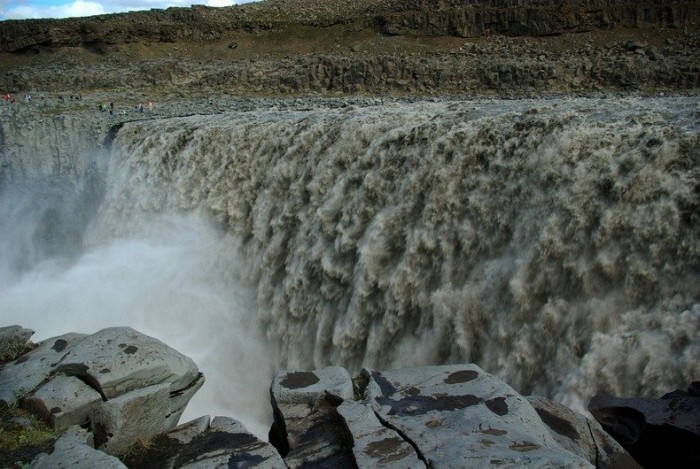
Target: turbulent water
554, 243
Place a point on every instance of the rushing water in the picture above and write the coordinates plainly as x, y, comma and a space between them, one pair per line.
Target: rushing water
554, 243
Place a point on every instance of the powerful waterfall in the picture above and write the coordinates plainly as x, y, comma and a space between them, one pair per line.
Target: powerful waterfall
555, 243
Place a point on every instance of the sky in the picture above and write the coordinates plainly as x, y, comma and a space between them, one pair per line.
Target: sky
21, 9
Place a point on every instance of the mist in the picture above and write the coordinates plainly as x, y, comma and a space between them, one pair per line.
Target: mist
179, 279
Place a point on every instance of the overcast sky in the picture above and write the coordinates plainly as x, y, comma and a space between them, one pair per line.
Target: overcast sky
20, 9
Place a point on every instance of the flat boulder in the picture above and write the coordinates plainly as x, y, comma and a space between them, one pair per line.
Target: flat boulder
27, 372
460, 416
63, 401
119, 359
373, 444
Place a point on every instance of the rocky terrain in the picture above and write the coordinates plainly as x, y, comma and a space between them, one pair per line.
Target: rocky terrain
428, 47
113, 399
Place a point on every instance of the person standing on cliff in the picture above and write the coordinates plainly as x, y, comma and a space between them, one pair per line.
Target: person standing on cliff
111, 109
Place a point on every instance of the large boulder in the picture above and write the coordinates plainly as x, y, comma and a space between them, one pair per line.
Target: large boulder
662, 432
63, 401
460, 416
123, 384
24, 374
581, 435
119, 359
307, 430
136, 415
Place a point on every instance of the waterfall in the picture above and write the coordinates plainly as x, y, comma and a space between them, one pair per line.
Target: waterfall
554, 243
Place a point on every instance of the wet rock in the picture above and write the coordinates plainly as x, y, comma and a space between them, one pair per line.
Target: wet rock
662, 432
307, 429
23, 375
118, 360
63, 402
375, 445
228, 443
460, 416
137, 415
179, 400
75, 449
581, 435
224, 443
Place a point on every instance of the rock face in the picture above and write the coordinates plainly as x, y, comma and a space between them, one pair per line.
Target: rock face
437, 416
75, 448
419, 17
129, 390
123, 384
661, 432
198, 444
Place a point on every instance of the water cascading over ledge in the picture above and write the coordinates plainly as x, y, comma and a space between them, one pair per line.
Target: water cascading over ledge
554, 243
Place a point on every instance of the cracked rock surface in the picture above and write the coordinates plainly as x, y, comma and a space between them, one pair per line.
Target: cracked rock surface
446, 416
118, 382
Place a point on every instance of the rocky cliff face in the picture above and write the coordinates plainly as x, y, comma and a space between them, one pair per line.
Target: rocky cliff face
420, 18
362, 46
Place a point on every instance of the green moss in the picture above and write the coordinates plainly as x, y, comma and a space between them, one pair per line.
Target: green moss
19, 443
14, 350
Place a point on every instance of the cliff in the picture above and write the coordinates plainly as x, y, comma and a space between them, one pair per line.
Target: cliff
470, 18
500, 47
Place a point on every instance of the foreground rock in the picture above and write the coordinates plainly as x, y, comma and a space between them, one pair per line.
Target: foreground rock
128, 390
198, 444
661, 432
438, 416
75, 448
123, 384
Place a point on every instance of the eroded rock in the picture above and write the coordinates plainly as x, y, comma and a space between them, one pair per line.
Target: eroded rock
139, 414
119, 360
375, 445
23, 375
460, 416
307, 429
581, 435
63, 401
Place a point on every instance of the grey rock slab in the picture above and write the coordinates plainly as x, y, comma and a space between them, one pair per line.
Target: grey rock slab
460, 416
74, 449
229, 444
134, 416
375, 445
307, 429
179, 400
581, 435
23, 375
119, 359
186, 432
308, 387
63, 401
